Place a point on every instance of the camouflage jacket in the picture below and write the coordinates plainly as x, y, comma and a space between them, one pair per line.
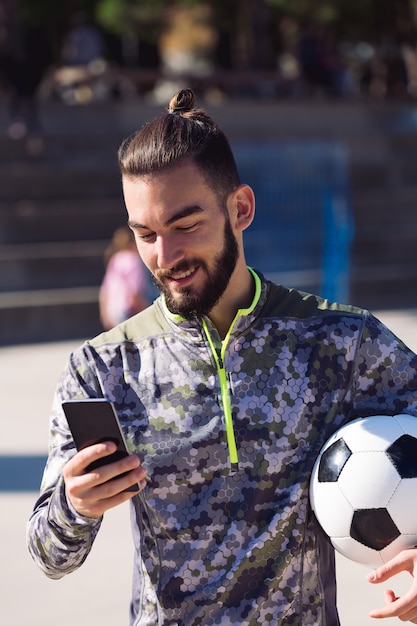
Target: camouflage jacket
228, 432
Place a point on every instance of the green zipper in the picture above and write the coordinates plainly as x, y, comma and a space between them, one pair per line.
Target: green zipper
224, 393
224, 387
218, 355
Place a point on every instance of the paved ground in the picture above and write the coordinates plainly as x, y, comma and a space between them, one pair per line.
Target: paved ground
98, 594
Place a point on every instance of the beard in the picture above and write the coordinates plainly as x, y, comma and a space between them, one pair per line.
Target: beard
189, 304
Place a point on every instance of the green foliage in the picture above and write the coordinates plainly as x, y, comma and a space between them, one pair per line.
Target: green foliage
139, 17
112, 15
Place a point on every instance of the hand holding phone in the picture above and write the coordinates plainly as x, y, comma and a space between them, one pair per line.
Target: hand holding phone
94, 420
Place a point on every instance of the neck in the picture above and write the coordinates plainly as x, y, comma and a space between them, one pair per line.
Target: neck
239, 295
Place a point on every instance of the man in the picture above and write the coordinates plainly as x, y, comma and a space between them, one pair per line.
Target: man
226, 388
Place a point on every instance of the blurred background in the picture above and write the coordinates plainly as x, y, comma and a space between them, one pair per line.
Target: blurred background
318, 98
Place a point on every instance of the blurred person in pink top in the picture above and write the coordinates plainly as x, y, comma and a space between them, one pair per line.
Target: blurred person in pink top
123, 290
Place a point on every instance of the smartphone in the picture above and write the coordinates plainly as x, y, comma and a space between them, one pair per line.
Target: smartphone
94, 420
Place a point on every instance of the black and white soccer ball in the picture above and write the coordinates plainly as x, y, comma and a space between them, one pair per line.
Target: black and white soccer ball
363, 488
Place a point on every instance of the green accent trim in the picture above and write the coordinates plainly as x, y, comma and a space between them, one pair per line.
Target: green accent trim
175, 317
228, 419
240, 312
258, 286
258, 289
224, 392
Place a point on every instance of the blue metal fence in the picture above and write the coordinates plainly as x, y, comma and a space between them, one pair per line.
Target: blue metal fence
303, 226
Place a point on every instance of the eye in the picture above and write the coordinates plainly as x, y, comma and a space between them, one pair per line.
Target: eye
149, 237
189, 228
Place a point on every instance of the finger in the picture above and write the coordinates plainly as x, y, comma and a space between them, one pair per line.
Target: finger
390, 596
92, 499
409, 615
95, 509
114, 472
82, 486
107, 494
136, 477
77, 465
402, 562
396, 606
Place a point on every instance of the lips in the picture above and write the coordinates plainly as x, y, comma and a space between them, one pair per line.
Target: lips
181, 275
181, 279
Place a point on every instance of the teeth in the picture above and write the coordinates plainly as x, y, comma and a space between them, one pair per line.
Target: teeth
182, 275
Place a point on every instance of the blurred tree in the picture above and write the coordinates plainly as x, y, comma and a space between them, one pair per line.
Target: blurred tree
368, 20
249, 31
138, 24
249, 23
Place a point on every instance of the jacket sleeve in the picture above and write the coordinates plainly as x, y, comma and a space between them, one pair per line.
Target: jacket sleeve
385, 373
58, 538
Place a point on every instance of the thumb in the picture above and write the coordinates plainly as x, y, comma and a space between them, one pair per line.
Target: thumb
386, 611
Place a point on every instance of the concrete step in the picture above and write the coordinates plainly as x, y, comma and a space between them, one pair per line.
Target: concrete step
36, 220
53, 265
21, 180
385, 227
59, 146
380, 201
390, 238
404, 143
48, 315
384, 286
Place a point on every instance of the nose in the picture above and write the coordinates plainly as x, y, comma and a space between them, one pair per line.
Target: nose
169, 253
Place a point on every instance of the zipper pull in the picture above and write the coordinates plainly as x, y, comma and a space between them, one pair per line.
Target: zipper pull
219, 360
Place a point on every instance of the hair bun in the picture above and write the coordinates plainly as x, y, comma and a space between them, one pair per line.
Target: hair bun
182, 102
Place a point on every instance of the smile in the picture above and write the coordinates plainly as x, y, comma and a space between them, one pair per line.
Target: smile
182, 275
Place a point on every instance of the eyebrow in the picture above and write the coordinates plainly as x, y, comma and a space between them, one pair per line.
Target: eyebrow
185, 212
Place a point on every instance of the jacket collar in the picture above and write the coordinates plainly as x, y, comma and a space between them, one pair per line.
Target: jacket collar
242, 320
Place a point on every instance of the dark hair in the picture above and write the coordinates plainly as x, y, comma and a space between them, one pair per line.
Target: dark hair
183, 134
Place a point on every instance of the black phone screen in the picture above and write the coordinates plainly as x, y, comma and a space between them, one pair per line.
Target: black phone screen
94, 421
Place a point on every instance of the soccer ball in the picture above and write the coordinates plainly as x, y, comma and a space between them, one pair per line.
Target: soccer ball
363, 488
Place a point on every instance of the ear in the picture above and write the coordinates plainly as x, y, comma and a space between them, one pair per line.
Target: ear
242, 209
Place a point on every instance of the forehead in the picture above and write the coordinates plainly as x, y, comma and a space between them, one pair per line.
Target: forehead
164, 194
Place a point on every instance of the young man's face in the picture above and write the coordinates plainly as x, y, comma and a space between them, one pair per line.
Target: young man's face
183, 236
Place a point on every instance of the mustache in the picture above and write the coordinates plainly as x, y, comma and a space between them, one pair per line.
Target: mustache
182, 266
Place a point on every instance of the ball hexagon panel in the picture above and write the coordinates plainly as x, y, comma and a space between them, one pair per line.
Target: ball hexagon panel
368, 480
408, 423
372, 433
333, 511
